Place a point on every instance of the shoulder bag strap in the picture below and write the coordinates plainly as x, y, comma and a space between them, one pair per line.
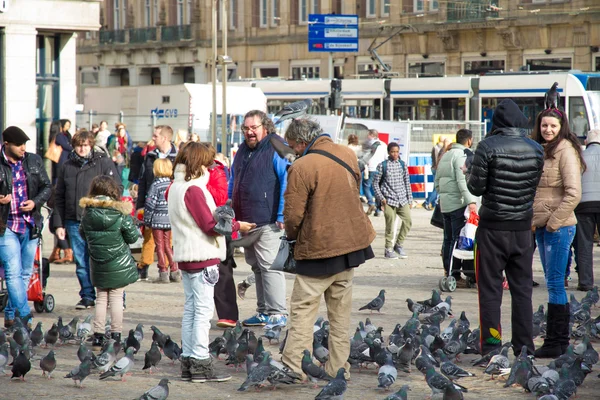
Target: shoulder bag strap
336, 159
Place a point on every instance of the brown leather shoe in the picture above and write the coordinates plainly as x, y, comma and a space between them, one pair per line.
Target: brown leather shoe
68, 258
54, 256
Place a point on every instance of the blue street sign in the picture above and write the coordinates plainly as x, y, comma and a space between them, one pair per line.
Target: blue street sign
332, 33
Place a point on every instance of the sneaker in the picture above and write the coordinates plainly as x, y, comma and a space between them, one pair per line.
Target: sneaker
256, 320
226, 323
242, 287
163, 277
277, 319
143, 273
398, 249
203, 371
390, 254
186, 375
363, 199
85, 304
175, 276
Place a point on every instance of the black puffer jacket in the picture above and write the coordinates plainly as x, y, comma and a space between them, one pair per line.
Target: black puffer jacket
506, 169
39, 188
74, 180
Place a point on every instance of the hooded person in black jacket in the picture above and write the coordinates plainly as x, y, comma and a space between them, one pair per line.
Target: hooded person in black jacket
506, 169
74, 180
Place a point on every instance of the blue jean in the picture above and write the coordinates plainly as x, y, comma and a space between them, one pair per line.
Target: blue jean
432, 198
82, 260
367, 185
16, 255
554, 250
454, 221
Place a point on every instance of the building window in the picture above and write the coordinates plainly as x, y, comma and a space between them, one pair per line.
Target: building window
549, 64
385, 8
154, 76
188, 15
419, 5
275, 12
371, 9
434, 5
148, 12
47, 82
263, 13
265, 72
124, 76
482, 66
597, 63
315, 7
303, 11
155, 14
233, 13
179, 12
189, 75
337, 6
117, 14
426, 69
306, 72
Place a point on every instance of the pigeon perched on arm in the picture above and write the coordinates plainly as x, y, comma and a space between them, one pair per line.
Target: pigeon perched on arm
293, 110
224, 216
376, 303
552, 97
335, 389
158, 392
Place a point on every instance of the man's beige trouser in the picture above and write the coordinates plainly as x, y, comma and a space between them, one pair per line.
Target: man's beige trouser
306, 297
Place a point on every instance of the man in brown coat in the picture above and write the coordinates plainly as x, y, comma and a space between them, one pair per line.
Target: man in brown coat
333, 235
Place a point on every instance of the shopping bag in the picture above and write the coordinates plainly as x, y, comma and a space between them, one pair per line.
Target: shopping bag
54, 151
284, 261
466, 239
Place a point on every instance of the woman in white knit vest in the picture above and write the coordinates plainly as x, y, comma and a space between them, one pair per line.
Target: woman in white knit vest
197, 249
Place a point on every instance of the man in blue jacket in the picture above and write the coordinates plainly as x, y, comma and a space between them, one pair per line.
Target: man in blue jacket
256, 187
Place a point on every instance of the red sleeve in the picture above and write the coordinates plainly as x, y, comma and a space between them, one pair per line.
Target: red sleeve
195, 201
217, 185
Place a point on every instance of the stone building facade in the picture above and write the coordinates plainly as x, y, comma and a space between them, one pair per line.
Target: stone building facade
169, 41
38, 71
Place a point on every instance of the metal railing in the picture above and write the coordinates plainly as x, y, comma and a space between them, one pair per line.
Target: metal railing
473, 10
142, 35
116, 36
175, 33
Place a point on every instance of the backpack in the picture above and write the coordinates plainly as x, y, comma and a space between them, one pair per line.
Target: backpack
384, 168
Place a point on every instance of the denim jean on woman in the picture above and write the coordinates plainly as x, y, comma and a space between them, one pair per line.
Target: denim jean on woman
82, 261
198, 309
16, 255
554, 250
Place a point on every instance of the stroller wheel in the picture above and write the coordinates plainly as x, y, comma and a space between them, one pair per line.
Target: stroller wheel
38, 306
48, 303
443, 284
451, 283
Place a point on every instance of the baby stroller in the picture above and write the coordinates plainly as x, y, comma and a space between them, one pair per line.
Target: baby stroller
37, 283
448, 283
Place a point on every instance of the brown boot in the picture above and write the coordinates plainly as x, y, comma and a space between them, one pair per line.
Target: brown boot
54, 256
67, 259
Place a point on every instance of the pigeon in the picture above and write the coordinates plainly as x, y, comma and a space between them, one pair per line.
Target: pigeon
424, 360
21, 366
37, 335
565, 387
400, 394
280, 374
474, 342
318, 324
273, 332
80, 372
3, 357
158, 336
369, 327
51, 337
158, 392
404, 356
106, 359
84, 328
457, 344
451, 392
387, 373
552, 97
172, 350
2, 337
139, 332
335, 389
312, 371
521, 370
484, 360
259, 350
121, 367
437, 382
48, 364
84, 352
451, 370
498, 362
68, 331
538, 316
14, 349
538, 385
132, 342
292, 111
463, 323
320, 353
152, 357
548, 397
216, 347
21, 336
551, 377
258, 375
412, 307
376, 303
433, 301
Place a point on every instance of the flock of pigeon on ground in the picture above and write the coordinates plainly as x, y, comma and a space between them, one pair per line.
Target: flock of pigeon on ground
420, 343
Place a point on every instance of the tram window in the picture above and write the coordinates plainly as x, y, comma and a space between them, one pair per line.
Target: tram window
578, 118
530, 106
404, 110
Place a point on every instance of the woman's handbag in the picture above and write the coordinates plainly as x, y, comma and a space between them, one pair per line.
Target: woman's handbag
54, 151
284, 261
437, 219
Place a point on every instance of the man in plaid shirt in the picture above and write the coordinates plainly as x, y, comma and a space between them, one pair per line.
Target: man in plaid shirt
24, 188
391, 184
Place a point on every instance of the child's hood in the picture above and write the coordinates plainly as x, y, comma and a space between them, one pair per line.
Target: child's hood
106, 211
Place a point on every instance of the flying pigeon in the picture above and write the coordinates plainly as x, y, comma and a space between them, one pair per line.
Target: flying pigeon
552, 97
293, 110
376, 303
335, 389
158, 392
312, 371
121, 367
80, 372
